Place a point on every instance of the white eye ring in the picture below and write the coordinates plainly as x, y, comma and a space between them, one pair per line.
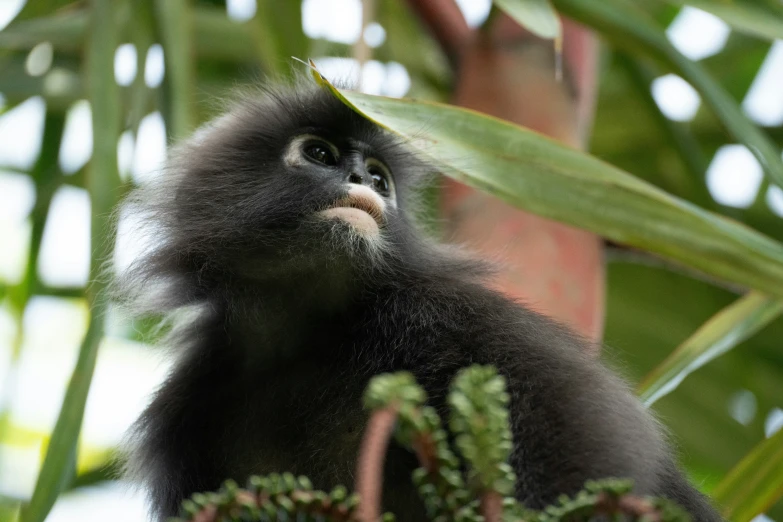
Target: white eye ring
374, 163
294, 155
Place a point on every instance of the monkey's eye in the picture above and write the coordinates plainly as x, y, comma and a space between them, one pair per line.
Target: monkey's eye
321, 153
379, 181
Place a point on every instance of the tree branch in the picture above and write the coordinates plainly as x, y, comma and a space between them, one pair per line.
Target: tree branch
446, 23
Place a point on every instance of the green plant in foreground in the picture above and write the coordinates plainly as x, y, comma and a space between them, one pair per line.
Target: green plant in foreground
480, 492
273, 497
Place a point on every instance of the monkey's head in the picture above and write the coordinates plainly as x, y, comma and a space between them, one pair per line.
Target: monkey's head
290, 182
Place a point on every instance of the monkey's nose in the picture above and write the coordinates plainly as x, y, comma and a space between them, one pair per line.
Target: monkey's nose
355, 178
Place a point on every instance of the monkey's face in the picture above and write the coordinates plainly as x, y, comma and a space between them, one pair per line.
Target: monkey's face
293, 180
352, 169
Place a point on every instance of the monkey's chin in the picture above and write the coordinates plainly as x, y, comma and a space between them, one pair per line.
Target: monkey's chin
358, 219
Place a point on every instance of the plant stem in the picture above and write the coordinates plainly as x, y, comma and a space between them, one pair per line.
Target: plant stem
369, 470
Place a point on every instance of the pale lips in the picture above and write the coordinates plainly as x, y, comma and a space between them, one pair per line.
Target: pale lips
362, 208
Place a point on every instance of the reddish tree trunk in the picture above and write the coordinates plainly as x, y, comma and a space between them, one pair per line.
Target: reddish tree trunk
509, 73
554, 268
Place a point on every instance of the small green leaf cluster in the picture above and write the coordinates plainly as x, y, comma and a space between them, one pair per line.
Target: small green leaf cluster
480, 423
272, 497
669, 511
582, 506
394, 389
603, 499
439, 481
444, 494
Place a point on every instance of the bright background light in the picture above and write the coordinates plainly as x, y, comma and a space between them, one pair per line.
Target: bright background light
675, 97
697, 34
734, 176
764, 102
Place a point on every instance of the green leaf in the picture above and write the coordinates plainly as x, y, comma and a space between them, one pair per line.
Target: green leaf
537, 16
36, 8
754, 484
721, 333
547, 178
9, 510
754, 18
103, 184
47, 178
176, 30
412, 45
278, 30
480, 424
627, 27
60, 460
66, 32
691, 181
104, 473
216, 36
142, 27
17, 86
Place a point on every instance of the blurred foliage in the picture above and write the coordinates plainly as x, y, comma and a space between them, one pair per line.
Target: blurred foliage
653, 306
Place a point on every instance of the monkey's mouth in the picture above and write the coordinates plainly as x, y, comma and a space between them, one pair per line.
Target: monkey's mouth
362, 208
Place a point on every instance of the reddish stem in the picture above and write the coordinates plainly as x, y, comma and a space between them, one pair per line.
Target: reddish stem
492, 506
628, 504
208, 514
425, 451
369, 470
555, 269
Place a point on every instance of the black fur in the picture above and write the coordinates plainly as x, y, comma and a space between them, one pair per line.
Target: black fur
285, 317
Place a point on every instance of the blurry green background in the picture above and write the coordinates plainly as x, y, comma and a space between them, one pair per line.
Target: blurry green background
644, 116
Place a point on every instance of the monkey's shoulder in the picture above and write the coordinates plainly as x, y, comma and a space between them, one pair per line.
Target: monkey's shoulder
459, 323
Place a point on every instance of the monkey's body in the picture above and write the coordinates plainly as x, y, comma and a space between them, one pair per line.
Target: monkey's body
294, 320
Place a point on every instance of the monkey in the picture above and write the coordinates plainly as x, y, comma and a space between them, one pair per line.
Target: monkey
289, 249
